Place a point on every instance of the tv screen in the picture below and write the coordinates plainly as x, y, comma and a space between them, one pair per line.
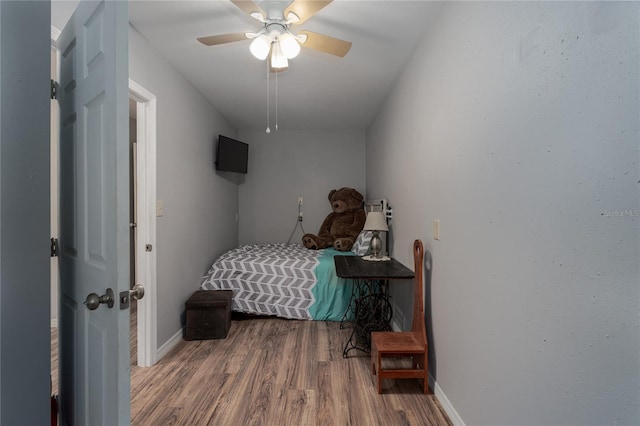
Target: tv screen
231, 155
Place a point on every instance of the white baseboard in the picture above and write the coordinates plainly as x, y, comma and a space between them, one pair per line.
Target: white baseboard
445, 403
168, 345
395, 326
54, 322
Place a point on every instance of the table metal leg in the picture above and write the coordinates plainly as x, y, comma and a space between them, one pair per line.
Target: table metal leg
373, 312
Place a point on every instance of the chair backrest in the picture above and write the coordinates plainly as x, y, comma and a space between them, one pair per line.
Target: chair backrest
417, 326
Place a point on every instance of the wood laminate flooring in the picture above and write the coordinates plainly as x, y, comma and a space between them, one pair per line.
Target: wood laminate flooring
271, 371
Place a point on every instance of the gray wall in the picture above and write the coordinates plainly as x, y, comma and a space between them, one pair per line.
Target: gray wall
285, 165
199, 204
24, 213
516, 125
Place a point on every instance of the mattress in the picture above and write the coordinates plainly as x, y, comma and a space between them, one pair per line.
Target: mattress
285, 280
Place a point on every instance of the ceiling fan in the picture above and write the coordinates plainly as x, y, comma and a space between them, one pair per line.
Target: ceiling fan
276, 37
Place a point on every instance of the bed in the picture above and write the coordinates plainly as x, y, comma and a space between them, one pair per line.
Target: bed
287, 280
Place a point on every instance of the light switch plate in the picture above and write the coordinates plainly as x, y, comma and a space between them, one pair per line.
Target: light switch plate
159, 208
436, 229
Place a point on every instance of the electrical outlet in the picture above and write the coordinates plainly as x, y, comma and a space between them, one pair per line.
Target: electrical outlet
436, 229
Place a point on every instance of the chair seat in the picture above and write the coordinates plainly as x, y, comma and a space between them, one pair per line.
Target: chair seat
397, 343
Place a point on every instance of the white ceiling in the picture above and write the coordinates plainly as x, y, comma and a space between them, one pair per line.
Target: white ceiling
318, 91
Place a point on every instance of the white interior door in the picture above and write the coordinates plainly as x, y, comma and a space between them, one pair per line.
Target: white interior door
94, 202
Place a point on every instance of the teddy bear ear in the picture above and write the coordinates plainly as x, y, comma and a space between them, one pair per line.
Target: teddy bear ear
355, 194
333, 191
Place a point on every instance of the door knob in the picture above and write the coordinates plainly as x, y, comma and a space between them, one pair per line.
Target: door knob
93, 300
137, 292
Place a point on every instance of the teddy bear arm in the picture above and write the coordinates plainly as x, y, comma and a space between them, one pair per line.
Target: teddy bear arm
325, 228
359, 218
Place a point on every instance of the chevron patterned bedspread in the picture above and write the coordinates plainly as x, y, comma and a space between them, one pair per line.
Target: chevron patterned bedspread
285, 280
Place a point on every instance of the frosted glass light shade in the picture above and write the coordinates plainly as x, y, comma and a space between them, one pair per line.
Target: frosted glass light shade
375, 222
260, 47
278, 60
289, 45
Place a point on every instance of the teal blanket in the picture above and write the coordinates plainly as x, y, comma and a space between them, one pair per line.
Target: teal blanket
332, 294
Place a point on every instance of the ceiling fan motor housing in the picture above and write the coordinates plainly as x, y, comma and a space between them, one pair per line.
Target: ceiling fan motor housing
273, 9
275, 29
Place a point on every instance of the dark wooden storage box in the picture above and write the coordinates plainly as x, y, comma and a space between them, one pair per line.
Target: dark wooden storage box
208, 314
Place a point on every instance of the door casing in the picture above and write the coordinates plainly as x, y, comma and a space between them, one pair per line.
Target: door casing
146, 260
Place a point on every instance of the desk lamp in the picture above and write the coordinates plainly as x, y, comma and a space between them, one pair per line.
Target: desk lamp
376, 222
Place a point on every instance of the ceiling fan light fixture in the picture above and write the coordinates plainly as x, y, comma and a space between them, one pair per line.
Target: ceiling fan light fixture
260, 47
289, 45
278, 60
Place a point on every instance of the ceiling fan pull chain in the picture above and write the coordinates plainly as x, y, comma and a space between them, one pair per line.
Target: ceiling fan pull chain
268, 129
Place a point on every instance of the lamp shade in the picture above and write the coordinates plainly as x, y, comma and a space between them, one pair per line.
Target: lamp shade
260, 47
289, 45
375, 222
278, 60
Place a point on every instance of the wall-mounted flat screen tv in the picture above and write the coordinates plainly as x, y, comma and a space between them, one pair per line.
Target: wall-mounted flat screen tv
231, 155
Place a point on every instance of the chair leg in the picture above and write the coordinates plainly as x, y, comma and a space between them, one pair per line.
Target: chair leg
379, 365
373, 359
375, 366
425, 365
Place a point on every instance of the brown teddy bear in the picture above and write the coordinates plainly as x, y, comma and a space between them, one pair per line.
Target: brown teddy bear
340, 228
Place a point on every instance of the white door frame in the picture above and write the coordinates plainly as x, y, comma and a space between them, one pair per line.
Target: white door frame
146, 260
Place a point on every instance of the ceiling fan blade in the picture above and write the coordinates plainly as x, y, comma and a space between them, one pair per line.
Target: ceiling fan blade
326, 44
222, 39
305, 9
248, 6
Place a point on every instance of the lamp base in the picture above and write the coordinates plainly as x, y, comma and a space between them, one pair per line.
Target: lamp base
376, 244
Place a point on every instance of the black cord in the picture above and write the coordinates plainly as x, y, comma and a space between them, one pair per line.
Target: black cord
298, 222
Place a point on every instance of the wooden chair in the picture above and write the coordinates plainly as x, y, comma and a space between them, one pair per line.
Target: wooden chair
411, 344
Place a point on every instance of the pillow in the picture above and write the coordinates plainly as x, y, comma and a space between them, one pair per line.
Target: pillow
363, 243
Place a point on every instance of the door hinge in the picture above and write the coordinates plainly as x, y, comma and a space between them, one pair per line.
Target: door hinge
54, 89
54, 247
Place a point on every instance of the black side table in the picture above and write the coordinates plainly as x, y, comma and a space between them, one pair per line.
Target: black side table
369, 307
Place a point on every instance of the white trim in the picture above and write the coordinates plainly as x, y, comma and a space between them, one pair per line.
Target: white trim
445, 403
54, 322
397, 319
146, 261
170, 344
395, 326
55, 33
